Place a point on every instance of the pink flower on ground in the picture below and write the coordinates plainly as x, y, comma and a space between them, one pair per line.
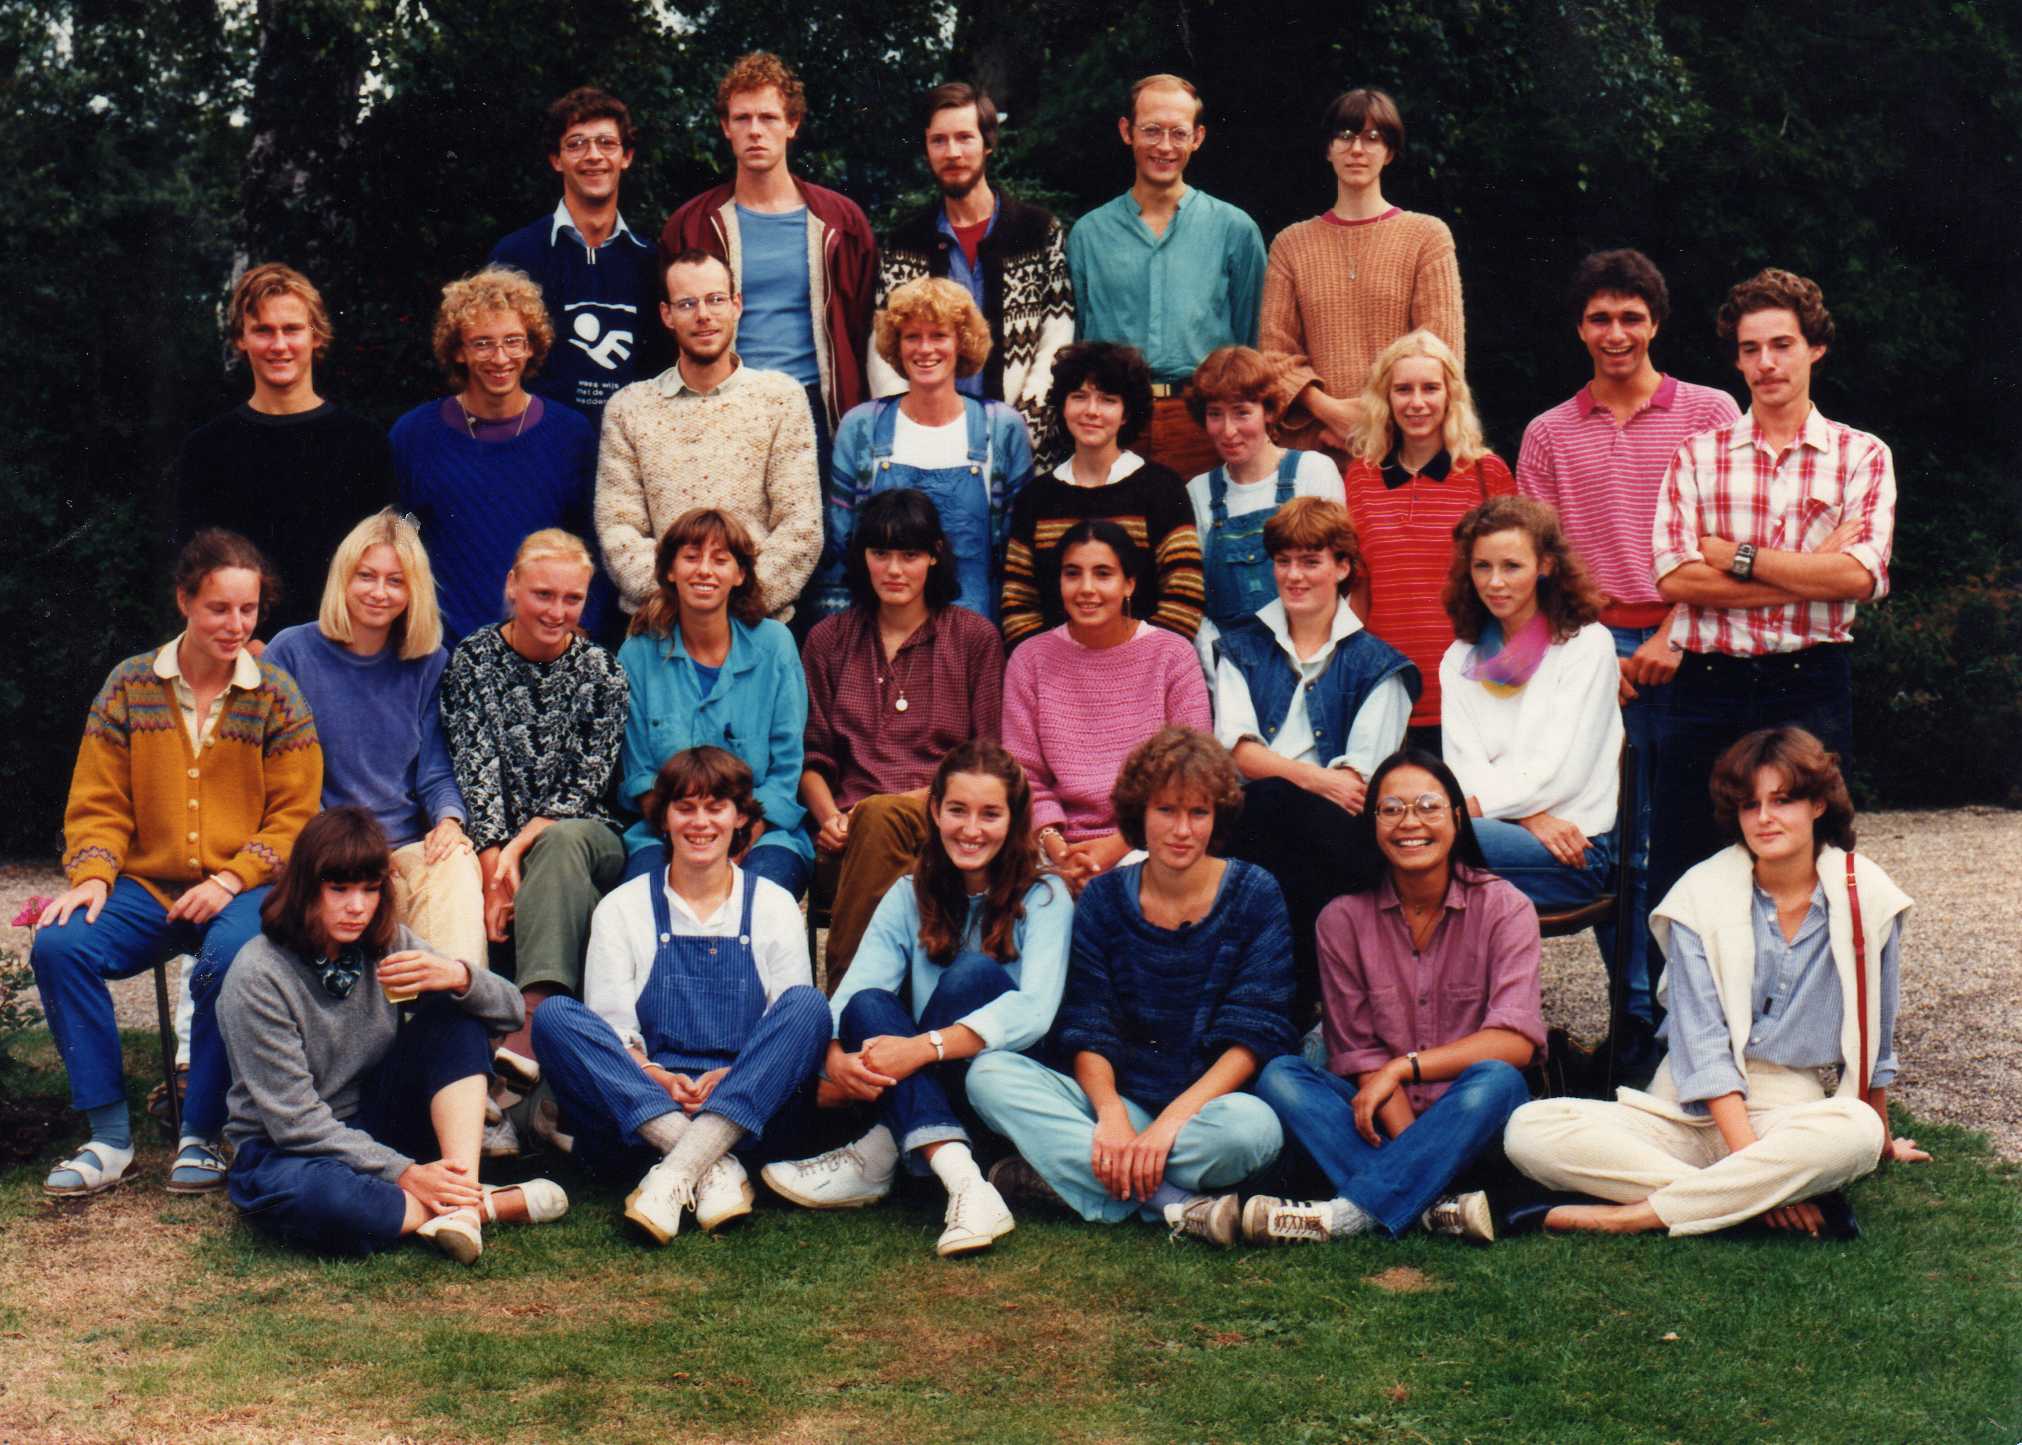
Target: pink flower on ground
31, 910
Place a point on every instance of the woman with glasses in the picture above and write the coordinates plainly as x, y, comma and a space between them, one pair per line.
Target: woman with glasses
1345, 284
971, 458
1429, 976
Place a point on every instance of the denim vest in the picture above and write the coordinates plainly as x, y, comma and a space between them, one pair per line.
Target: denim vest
1234, 565
1360, 661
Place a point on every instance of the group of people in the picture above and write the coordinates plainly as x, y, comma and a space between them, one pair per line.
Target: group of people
1180, 712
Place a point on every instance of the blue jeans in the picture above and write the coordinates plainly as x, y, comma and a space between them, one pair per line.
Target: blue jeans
72, 962
782, 865
1513, 852
918, 1109
1643, 720
1394, 1183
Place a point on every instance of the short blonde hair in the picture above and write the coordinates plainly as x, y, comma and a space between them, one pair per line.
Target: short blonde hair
551, 544
417, 631
943, 302
1376, 433
495, 288
262, 284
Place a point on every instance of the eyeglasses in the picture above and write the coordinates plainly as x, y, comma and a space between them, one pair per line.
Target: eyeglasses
1431, 808
1179, 135
606, 145
689, 305
484, 347
1372, 138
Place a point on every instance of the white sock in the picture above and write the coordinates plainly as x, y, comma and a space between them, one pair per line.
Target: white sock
1348, 1218
955, 1166
881, 1151
707, 1138
664, 1131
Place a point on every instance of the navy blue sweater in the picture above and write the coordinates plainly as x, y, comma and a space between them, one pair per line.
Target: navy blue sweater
1162, 1004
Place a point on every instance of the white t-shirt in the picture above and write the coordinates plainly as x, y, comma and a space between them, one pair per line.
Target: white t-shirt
930, 447
1317, 476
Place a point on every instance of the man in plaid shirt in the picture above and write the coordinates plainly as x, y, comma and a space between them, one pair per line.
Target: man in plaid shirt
1768, 532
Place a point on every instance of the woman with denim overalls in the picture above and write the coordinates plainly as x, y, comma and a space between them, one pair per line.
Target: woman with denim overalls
969, 455
700, 1030
1234, 395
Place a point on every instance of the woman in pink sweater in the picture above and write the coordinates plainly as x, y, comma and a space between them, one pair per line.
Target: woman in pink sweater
1077, 699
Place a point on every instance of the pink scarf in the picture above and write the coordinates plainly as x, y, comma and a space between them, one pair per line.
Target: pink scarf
1505, 666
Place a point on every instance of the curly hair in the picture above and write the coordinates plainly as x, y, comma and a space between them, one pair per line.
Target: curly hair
495, 288
1376, 433
937, 301
755, 71
1809, 771
1773, 289
1619, 273
1313, 524
264, 283
704, 772
699, 526
1108, 366
417, 632
1568, 598
581, 106
1181, 760
1231, 374
938, 886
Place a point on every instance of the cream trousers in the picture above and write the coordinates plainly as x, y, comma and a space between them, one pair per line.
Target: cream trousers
1806, 1144
442, 902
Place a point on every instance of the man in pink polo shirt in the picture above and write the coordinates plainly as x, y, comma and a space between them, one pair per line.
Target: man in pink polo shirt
1600, 458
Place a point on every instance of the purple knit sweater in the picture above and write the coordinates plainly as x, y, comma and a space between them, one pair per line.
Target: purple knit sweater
1072, 715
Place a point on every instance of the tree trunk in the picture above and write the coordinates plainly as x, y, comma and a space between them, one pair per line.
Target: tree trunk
299, 184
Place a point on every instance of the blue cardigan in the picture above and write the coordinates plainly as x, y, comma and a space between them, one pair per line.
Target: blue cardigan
1162, 1004
757, 710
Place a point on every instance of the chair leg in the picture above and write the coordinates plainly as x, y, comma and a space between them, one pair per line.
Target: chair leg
165, 1019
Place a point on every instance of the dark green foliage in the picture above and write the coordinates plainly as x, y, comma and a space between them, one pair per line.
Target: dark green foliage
1873, 147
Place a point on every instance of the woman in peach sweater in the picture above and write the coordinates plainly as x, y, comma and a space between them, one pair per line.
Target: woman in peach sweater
1348, 282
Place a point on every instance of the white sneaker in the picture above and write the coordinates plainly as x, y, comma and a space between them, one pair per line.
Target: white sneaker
977, 1218
723, 1195
1464, 1216
1211, 1217
840, 1179
1269, 1220
655, 1206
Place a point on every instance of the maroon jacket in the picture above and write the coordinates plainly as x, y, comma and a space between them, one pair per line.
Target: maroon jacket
842, 292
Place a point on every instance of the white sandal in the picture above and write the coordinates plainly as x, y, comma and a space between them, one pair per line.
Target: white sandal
457, 1234
98, 1164
546, 1201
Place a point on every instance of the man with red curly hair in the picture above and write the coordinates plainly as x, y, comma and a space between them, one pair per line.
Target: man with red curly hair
801, 256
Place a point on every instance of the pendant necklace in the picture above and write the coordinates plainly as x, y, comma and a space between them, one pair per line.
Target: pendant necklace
899, 704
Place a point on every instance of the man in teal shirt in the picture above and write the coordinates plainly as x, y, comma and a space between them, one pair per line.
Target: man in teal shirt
1166, 268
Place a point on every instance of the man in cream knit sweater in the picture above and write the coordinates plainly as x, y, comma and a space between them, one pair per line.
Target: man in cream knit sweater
709, 432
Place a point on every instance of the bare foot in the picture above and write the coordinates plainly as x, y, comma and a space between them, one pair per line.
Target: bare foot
1604, 1218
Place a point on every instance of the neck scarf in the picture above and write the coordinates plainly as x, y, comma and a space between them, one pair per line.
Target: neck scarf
340, 975
1503, 666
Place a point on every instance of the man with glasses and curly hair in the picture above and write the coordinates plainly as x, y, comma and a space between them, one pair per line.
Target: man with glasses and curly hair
490, 464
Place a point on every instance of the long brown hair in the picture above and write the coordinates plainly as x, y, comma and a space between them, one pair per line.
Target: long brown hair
1567, 596
938, 889
660, 613
338, 845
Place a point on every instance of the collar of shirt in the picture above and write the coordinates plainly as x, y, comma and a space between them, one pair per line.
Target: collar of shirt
723, 918
564, 224
168, 667
1346, 624
673, 384
1766, 914
947, 227
1815, 433
1126, 464
1660, 399
1394, 475
1456, 892
738, 659
1136, 213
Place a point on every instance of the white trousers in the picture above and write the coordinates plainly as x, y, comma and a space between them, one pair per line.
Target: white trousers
442, 902
1806, 1144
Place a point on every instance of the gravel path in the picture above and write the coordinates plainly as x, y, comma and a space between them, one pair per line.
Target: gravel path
1962, 964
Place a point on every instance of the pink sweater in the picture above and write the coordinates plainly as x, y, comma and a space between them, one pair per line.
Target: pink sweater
1072, 715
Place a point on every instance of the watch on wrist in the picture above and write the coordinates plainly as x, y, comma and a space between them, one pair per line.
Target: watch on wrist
940, 1048
1743, 565
1416, 1077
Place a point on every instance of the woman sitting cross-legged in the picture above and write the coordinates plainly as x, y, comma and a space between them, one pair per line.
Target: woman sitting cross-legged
198, 767
1308, 701
1179, 989
1429, 976
1079, 698
358, 1053
535, 713
371, 667
1529, 717
700, 1030
1777, 948
706, 667
893, 683
977, 942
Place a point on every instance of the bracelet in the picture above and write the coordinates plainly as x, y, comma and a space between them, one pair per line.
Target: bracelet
1416, 1077
1049, 831
219, 878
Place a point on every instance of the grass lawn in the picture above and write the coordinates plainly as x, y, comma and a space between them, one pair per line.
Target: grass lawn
141, 1316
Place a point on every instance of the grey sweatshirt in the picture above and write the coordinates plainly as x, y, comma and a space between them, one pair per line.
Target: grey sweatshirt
300, 1056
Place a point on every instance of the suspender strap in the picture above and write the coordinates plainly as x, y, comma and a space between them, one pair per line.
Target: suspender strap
1288, 474
1860, 943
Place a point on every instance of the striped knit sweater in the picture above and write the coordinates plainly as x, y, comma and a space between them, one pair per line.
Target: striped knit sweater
1150, 504
144, 806
1336, 294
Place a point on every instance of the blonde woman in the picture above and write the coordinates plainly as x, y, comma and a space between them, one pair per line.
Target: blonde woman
371, 667
1420, 466
491, 463
535, 714
971, 458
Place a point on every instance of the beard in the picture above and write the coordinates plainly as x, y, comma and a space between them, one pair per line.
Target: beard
957, 188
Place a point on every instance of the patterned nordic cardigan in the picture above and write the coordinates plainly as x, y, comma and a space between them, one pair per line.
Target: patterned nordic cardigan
144, 806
